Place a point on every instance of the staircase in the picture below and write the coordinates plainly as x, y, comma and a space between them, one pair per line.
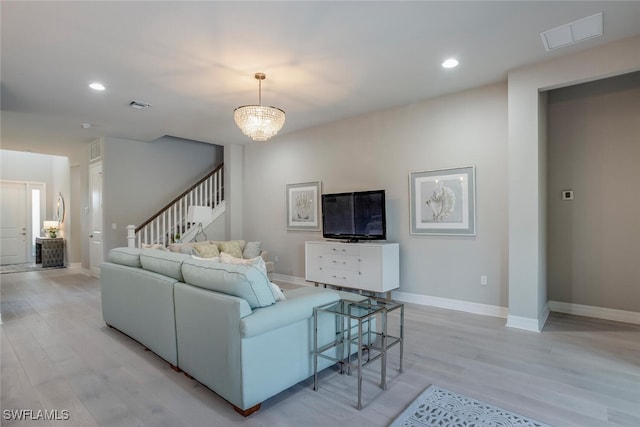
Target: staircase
171, 223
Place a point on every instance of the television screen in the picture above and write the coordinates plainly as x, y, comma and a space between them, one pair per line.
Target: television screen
354, 216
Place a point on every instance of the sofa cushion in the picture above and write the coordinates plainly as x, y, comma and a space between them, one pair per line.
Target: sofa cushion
244, 281
298, 306
232, 247
252, 250
162, 262
125, 256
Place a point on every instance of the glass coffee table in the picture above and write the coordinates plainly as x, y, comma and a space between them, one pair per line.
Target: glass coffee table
356, 335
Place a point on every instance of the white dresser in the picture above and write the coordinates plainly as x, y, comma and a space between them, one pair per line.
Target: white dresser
368, 266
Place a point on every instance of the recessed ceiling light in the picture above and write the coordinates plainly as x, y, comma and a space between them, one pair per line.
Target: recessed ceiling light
85, 125
97, 86
450, 63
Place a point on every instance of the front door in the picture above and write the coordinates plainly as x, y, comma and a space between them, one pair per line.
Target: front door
95, 239
13, 223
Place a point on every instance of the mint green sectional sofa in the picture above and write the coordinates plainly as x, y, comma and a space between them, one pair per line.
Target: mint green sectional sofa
219, 323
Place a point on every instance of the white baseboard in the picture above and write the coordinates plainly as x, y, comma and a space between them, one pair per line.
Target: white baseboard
451, 304
597, 312
529, 323
518, 322
526, 323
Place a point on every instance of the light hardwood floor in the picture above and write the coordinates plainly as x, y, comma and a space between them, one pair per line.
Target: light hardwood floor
57, 353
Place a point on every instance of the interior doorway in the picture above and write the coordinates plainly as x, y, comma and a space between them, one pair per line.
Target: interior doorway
22, 206
95, 238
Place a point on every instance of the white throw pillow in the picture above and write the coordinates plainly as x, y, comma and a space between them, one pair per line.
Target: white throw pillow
277, 292
212, 259
156, 246
257, 262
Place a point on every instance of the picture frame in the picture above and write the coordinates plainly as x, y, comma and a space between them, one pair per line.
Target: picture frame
303, 206
443, 201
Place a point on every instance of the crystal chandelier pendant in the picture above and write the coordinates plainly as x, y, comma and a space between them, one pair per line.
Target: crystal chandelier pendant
259, 122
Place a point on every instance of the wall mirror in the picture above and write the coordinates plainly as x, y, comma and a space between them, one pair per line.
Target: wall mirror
60, 209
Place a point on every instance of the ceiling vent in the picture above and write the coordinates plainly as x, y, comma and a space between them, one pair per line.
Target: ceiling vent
573, 32
139, 105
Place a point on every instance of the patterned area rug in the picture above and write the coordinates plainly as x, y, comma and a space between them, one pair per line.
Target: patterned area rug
20, 268
439, 407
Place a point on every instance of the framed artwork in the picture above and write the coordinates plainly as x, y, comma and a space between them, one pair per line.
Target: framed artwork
303, 206
443, 201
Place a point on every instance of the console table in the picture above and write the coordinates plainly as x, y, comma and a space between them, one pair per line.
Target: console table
367, 266
50, 252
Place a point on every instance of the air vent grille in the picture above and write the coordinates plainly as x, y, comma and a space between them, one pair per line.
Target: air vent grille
573, 32
138, 105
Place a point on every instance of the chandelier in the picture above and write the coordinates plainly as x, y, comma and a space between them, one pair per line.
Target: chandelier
259, 122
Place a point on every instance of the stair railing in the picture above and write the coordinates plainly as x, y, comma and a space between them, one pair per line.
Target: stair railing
171, 222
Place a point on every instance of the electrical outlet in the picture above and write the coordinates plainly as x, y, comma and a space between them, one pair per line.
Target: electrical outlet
275, 258
483, 280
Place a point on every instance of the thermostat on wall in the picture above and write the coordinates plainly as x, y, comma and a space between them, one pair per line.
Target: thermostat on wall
567, 194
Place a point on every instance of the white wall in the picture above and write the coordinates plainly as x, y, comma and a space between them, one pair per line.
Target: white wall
378, 151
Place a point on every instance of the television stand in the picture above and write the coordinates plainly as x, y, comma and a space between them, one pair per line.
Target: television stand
372, 267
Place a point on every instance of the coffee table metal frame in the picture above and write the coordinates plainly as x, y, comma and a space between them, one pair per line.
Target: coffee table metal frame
348, 313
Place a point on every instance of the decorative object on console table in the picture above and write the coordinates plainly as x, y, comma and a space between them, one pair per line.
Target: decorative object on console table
303, 207
373, 267
443, 201
50, 252
51, 228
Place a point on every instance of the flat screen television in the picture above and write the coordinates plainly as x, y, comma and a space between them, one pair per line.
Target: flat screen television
354, 216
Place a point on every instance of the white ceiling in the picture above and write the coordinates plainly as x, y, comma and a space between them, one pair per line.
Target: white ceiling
195, 61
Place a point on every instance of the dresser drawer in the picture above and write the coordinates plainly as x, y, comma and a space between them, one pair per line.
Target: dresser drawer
341, 277
342, 249
341, 262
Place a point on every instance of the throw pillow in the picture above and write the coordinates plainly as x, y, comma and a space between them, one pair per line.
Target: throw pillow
232, 247
206, 250
257, 262
212, 259
277, 292
157, 246
252, 249
243, 281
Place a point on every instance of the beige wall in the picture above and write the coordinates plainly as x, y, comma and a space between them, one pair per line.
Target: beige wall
527, 189
473, 127
377, 151
140, 178
594, 150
